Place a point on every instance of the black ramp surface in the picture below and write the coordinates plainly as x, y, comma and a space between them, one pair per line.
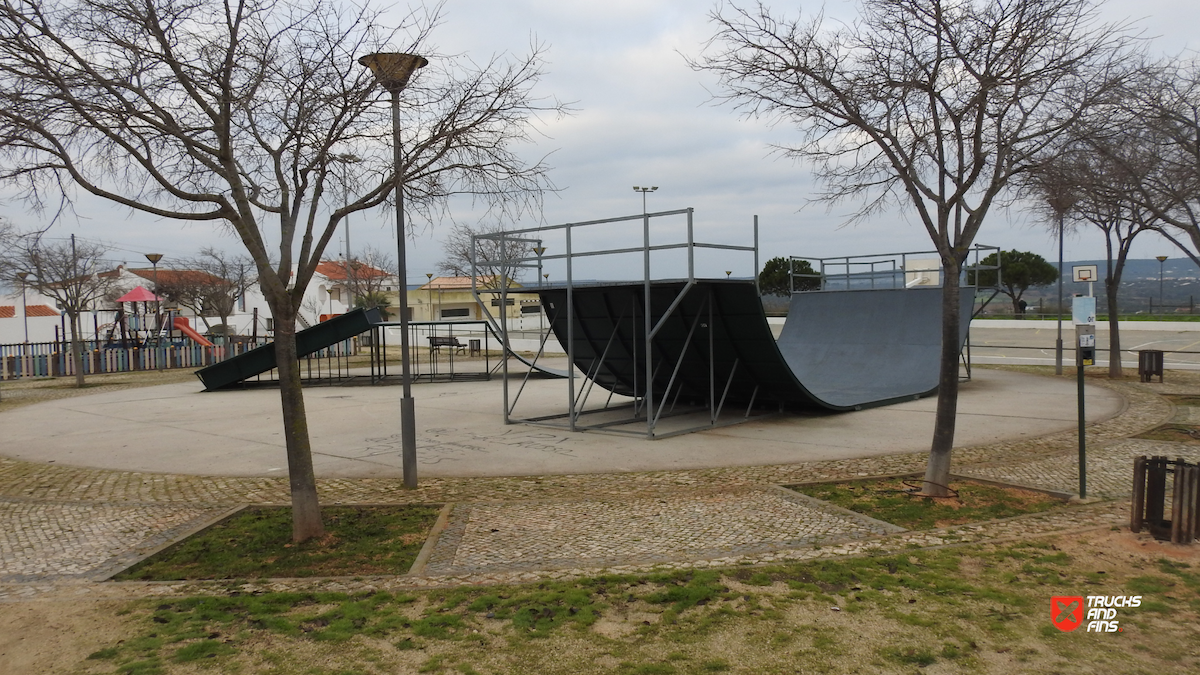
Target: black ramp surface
839, 350
851, 348
261, 359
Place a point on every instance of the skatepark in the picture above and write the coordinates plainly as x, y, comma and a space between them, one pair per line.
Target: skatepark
180, 429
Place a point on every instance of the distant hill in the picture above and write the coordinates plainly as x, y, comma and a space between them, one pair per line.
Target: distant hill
1139, 285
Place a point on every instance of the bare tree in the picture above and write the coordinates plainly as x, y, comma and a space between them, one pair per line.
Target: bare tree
493, 257
1165, 109
1104, 173
932, 105
65, 270
209, 284
368, 273
235, 112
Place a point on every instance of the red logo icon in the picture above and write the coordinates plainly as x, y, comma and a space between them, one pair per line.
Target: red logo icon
1066, 612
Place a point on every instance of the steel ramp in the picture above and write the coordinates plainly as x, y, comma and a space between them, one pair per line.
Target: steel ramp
839, 350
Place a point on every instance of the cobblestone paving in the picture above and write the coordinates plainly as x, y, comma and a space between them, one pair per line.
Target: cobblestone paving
603, 533
61, 527
55, 539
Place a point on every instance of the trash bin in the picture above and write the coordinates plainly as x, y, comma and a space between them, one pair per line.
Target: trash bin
1150, 499
1150, 363
474, 347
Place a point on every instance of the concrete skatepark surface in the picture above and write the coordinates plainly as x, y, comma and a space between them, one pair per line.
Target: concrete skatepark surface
460, 431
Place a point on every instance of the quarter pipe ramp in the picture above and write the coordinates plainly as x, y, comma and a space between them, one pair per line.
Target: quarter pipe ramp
839, 350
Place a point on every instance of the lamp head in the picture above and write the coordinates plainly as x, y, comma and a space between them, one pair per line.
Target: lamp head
154, 258
393, 69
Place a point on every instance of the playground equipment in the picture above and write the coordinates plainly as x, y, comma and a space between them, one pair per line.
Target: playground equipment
181, 324
145, 328
688, 346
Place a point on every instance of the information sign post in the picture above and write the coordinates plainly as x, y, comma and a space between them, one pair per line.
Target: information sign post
1083, 315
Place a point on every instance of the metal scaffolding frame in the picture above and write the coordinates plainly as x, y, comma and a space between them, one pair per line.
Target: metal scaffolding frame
647, 405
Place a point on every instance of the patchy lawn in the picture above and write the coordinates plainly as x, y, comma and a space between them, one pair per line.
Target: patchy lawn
892, 501
969, 609
256, 542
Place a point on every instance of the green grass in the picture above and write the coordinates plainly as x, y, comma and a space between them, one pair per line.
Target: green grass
944, 607
257, 543
888, 500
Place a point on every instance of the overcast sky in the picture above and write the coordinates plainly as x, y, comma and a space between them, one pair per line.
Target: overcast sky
645, 118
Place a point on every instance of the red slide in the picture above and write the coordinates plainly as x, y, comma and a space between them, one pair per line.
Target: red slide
182, 325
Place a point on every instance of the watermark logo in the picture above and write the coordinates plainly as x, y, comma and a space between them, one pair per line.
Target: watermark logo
1066, 612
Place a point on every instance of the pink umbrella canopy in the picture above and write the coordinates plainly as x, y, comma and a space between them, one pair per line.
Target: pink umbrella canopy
138, 294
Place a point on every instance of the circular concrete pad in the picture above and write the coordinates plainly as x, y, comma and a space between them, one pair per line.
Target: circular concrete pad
460, 430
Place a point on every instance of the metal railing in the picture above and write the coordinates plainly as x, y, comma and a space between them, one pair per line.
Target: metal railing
910, 269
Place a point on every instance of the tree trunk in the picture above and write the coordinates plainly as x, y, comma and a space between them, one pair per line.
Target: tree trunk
76, 350
937, 472
1114, 336
306, 509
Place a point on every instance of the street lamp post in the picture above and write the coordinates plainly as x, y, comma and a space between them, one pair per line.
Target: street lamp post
345, 159
644, 190
154, 258
429, 287
648, 396
1161, 259
24, 303
392, 71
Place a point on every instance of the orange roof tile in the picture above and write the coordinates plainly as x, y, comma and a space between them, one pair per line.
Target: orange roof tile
42, 310
335, 270
10, 311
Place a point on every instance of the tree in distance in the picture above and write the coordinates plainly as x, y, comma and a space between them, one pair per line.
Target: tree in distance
209, 284
377, 300
778, 277
932, 105
366, 275
64, 269
239, 114
1019, 271
485, 249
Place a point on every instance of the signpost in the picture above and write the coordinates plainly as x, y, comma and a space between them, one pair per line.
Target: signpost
1083, 315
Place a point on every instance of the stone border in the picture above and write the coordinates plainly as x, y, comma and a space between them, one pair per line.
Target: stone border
787, 493
435, 533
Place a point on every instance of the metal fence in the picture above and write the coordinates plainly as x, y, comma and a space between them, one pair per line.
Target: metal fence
53, 359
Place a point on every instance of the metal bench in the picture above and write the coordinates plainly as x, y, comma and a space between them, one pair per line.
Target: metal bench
436, 342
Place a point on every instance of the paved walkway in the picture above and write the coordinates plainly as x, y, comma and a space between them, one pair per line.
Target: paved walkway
64, 528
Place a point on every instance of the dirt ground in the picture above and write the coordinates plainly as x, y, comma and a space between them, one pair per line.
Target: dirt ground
54, 636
